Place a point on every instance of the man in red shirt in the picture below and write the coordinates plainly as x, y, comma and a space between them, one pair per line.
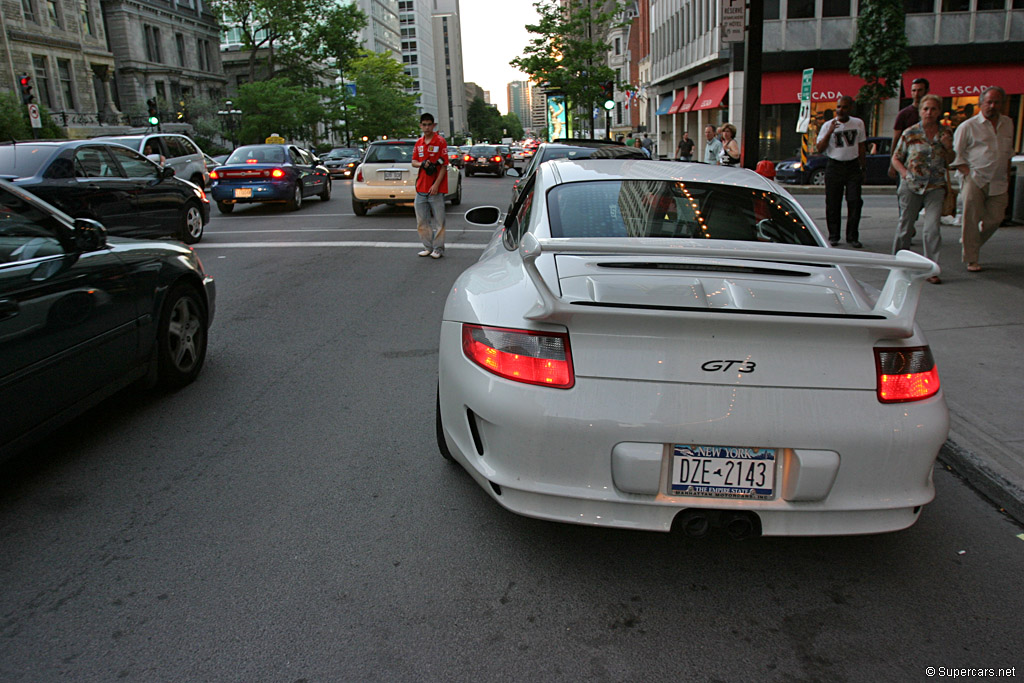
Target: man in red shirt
430, 156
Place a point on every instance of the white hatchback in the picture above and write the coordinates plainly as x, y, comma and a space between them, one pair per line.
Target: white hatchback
387, 176
656, 345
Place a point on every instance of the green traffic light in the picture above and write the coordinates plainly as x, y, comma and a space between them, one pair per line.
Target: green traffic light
609, 104
153, 120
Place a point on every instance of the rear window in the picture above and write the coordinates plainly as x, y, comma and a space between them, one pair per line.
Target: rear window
483, 150
23, 161
257, 154
389, 154
566, 153
674, 210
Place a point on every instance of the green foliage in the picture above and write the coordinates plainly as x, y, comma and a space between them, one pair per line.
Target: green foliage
484, 121
277, 106
569, 53
14, 124
879, 53
381, 105
512, 126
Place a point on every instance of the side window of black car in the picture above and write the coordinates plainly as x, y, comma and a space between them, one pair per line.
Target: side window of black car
134, 164
25, 231
95, 162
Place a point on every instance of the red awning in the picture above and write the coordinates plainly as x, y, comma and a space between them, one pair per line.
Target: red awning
690, 99
678, 102
783, 87
965, 81
712, 94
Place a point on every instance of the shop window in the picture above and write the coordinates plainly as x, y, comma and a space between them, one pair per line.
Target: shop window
800, 9
918, 6
956, 5
991, 5
835, 8
771, 10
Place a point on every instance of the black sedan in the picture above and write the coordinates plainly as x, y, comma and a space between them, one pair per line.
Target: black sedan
83, 315
272, 173
342, 161
110, 183
879, 150
484, 159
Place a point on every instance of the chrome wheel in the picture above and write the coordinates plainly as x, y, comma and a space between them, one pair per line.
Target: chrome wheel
191, 224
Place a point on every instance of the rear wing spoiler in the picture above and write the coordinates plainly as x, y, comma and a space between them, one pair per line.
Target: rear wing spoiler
893, 311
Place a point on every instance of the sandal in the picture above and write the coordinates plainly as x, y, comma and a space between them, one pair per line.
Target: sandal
974, 267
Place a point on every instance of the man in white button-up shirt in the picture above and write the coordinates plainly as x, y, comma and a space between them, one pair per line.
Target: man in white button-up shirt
983, 146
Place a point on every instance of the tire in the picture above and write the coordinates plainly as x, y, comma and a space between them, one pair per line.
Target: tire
224, 207
190, 229
325, 196
358, 207
457, 198
469, 173
442, 445
818, 177
296, 201
181, 337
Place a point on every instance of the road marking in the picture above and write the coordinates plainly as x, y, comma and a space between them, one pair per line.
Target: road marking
410, 230
372, 245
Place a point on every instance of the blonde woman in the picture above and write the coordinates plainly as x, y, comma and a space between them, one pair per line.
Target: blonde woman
730, 155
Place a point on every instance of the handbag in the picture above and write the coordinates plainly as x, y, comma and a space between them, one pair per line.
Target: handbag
949, 200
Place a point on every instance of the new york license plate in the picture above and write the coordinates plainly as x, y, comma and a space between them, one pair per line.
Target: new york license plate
243, 192
722, 472
392, 175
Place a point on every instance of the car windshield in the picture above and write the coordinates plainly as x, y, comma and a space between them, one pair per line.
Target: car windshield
389, 154
567, 153
257, 154
483, 151
23, 161
673, 209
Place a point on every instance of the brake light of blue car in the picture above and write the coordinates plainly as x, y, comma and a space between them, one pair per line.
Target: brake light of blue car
524, 356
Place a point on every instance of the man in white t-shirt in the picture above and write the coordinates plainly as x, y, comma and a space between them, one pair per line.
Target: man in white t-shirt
842, 140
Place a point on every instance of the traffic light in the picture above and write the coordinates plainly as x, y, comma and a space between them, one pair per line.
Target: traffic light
608, 90
154, 119
26, 90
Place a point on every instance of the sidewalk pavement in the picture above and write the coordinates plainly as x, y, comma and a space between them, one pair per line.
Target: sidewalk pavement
975, 326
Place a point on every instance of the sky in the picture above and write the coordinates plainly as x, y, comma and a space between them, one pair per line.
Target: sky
494, 33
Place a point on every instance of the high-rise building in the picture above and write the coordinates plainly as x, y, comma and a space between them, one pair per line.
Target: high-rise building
519, 101
383, 31
451, 87
418, 54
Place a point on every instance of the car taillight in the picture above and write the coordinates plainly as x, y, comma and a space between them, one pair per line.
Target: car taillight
277, 173
906, 374
497, 158
521, 355
466, 158
214, 175
359, 176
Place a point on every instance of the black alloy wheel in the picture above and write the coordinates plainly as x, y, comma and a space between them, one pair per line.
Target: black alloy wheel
181, 337
190, 230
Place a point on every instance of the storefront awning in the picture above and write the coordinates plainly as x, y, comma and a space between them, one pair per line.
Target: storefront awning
712, 94
687, 105
967, 81
783, 87
666, 103
677, 102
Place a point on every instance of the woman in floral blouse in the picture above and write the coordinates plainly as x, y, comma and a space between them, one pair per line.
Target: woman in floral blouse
921, 157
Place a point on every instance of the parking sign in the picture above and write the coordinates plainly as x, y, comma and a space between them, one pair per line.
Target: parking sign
33, 116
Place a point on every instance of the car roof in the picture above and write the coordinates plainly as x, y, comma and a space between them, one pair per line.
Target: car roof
581, 170
394, 142
586, 142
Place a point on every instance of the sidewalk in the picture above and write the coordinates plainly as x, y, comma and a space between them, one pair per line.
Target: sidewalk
975, 326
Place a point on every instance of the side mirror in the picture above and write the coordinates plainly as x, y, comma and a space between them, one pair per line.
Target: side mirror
484, 215
512, 172
166, 172
89, 234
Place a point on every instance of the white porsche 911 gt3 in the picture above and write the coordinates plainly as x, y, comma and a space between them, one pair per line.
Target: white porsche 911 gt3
656, 345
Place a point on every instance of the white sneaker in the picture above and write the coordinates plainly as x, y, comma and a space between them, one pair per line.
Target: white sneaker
425, 252
436, 254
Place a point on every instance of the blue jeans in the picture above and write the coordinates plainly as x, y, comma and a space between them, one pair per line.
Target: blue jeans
430, 220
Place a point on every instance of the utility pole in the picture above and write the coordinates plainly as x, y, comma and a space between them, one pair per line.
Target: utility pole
752, 84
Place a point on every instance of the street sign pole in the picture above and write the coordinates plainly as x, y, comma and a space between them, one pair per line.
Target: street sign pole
751, 149
34, 119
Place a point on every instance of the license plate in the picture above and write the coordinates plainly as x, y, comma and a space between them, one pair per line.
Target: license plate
482, 159
243, 192
722, 472
392, 175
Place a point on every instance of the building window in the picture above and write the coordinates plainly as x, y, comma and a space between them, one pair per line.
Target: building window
67, 89
918, 6
28, 10
152, 34
835, 8
161, 90
991, 5
42, 89
618, 45
956, 5
771, 10
800, 9
51, 12
86, 19
179, 42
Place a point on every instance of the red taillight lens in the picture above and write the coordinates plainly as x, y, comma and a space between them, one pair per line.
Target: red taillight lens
521, 355
906, 374
214, 175
359, 176
277, 173
497, 158
467, 158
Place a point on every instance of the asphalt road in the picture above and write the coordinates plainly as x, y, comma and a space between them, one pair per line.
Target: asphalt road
288, 518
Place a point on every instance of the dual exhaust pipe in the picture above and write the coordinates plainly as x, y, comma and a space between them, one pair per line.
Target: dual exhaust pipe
737, 524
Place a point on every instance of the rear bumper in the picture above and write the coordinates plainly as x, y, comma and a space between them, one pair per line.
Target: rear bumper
261, 192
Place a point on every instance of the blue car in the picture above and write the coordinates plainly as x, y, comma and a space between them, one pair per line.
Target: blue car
879, 149
283, 174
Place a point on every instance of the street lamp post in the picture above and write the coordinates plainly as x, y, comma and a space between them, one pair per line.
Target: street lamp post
232, 118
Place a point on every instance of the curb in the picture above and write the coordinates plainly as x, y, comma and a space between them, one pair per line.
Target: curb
1004, 493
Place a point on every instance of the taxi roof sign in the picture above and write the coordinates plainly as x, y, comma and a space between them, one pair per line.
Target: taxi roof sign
274, 139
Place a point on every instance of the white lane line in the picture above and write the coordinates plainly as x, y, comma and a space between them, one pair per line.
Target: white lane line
409, 230
373, 245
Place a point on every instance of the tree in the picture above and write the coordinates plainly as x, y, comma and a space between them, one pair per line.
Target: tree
14, 123
277, 106
569, 53
512, 125
484, 121
381, 106
879, 53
